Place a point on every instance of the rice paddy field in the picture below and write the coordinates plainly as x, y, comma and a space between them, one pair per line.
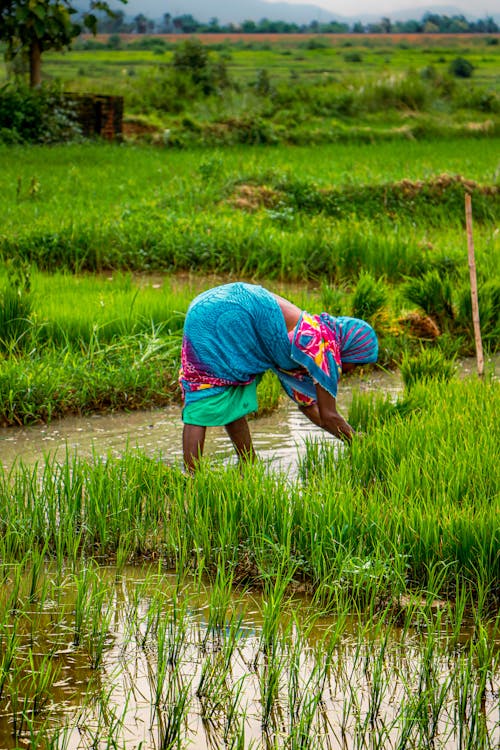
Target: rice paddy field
349, 603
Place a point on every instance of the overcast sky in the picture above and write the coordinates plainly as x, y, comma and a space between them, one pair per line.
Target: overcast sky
477, 8
233, 10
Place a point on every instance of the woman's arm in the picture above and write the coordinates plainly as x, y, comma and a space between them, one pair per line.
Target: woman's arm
324, 414
291, 312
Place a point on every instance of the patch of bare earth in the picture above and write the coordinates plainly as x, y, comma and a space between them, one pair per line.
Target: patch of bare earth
251, 198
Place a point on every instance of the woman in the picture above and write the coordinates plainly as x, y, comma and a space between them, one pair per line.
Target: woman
234, 333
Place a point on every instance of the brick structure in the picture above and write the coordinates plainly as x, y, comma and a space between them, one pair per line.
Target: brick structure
98, 114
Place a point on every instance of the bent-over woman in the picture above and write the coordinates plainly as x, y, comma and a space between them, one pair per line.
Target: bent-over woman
236, 332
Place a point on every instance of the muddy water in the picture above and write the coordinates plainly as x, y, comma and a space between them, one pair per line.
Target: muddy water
278, 438
367, 687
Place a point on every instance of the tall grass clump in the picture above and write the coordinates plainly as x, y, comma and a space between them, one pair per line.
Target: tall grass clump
428, 364
15, 308
489, 311
369, 296
433, 293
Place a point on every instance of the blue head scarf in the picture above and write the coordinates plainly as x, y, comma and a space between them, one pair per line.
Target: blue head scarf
357, 340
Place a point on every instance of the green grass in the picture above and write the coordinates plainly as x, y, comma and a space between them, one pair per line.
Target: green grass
102, 207
377, 55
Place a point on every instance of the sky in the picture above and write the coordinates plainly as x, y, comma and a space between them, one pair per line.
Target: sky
476, 8
348, 9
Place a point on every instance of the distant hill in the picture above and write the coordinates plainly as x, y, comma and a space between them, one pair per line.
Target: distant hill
255, 10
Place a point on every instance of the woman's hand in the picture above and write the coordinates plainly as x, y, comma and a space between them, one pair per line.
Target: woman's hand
324, 414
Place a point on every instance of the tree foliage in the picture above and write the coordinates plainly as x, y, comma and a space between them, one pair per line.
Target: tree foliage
429, 23
30, 27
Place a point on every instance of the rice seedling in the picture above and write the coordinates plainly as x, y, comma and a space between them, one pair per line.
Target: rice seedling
433, 294
369, 297
173, 714
10, 643
302, 681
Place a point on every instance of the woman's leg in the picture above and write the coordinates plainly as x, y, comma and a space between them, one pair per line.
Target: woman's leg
239, 433
193, 441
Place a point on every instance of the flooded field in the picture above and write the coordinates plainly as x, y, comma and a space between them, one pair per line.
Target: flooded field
137, 658
330, 609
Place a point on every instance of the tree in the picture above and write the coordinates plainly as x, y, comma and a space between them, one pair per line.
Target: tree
114, 24
30, 27
186, 23
385, 25
168, 25
141, 23
248, 27
214, 26
191, 58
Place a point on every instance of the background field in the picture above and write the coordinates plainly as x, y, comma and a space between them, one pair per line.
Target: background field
299, 90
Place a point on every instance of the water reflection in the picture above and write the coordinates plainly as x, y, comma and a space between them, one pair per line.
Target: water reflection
178, 662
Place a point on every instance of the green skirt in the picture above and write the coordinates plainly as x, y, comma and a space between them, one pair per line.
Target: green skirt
222, 408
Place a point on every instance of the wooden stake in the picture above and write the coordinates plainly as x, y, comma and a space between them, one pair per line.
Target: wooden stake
473, 287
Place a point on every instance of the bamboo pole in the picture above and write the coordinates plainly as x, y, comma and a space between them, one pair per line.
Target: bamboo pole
473, 287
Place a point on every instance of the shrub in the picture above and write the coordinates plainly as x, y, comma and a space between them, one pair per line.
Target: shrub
461, 68
263, 83
114, 41
353, 57
42, 115
478, 99
191, 61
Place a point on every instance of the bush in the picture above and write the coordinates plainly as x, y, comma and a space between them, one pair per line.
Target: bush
114, 41
263, 83
353, 57
191, 61
42, 115
461, 68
